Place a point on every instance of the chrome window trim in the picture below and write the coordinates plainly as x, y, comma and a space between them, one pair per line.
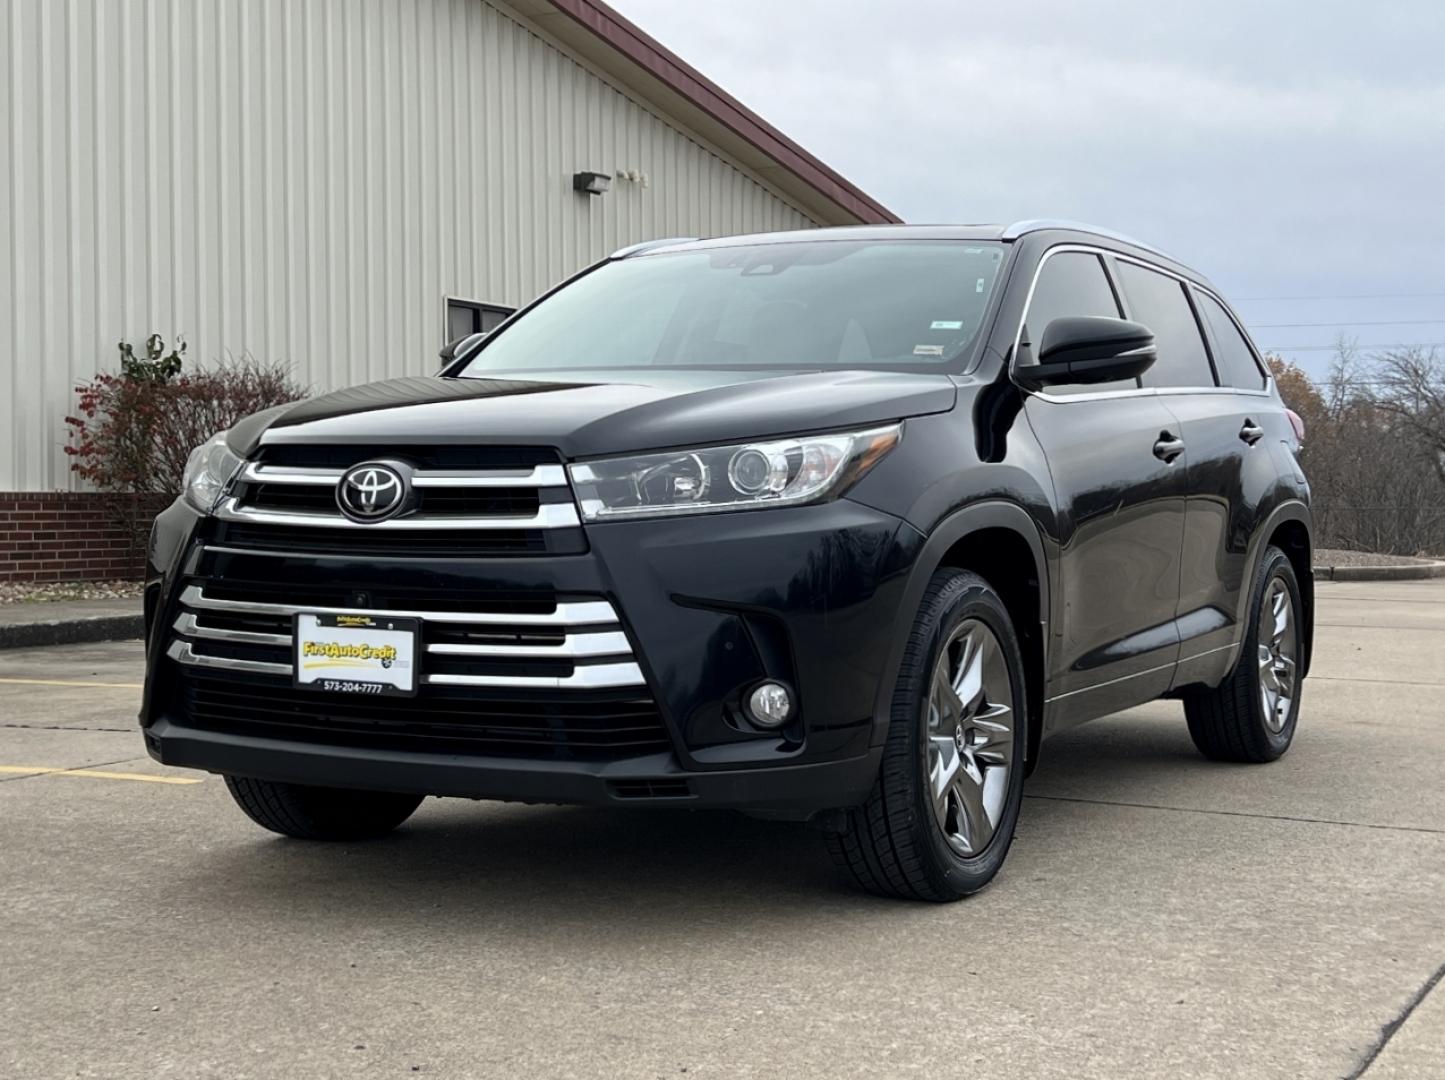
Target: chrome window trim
1137, 392
1023, 228
567, 613
548, 516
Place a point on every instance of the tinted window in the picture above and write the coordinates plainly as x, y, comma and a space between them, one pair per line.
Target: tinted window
1159, 302
810, 304
1232, 354
1070, 283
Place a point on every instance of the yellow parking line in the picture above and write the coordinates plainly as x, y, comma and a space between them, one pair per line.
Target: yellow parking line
95, 774
72, 682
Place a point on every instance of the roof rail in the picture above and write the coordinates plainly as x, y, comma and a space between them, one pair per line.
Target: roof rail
1019, 228
648, 245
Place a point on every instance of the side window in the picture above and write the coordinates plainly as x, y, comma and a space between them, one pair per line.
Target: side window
1232, 354
1160, 303
1070, 283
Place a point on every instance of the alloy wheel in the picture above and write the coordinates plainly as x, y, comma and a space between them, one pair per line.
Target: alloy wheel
1278, 655
970, 737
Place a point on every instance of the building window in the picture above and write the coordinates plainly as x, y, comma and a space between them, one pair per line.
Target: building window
471, 316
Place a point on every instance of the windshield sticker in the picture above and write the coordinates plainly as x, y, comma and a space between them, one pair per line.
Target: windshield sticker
928, 350
979, 287
947, 324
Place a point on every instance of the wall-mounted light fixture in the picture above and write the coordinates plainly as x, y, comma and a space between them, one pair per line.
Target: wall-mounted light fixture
591, 183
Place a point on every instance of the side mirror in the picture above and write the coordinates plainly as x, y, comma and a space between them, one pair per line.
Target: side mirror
461, 347
1090, 349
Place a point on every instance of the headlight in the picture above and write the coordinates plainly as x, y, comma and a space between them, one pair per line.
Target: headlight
744, 476
209, 469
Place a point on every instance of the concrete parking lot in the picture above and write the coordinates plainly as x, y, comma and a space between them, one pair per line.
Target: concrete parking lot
1159, 916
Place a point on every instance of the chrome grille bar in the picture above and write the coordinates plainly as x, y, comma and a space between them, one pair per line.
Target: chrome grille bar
537, 477
567, 613
592, 677
615, 667
186, 624
572, 646
182, 653
548, 516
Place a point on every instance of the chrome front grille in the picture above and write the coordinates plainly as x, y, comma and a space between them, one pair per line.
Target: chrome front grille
465, 501
535, 498
561, 645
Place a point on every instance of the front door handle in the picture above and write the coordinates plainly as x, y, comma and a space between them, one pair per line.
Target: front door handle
1168, 448
1251, 432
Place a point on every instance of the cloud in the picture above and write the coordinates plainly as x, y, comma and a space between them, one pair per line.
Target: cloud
1284, 148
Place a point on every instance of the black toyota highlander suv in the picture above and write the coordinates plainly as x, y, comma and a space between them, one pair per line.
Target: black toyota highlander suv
835, 525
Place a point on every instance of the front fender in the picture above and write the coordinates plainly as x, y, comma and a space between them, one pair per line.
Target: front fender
931, 552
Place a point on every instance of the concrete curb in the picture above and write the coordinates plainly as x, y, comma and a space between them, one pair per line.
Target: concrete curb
1416, 572
33, 635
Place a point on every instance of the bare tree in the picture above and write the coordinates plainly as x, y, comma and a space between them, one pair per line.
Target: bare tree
1410, 388
1372, 449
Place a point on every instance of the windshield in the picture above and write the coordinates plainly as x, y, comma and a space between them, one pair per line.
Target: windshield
897, 305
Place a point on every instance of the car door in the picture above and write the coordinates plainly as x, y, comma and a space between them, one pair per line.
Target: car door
1226, 413
1118, 474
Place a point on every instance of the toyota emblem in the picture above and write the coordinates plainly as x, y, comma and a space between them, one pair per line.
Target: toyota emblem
371, 491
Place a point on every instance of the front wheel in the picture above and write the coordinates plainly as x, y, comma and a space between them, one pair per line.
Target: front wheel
942, 812
317, 813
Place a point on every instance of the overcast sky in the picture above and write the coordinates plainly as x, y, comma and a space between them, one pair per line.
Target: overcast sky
1285, 149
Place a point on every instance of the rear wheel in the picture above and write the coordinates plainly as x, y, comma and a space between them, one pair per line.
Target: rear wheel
1251, 716
317, 813
942, 812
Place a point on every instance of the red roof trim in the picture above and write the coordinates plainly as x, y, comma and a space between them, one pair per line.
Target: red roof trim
722, 107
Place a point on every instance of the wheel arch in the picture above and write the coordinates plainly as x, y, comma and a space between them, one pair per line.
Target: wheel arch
1289, 527
1000, 542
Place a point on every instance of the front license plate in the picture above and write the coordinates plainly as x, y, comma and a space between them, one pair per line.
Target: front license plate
356, 654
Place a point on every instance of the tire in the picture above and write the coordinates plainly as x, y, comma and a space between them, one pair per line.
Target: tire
1234, 721
317, 813
903, 842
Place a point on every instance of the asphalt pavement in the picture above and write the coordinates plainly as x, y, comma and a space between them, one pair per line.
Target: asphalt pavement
1159, 915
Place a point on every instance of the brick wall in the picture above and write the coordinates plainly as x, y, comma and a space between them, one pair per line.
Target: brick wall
71, 536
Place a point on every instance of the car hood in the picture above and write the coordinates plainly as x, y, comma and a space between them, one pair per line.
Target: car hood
595, 414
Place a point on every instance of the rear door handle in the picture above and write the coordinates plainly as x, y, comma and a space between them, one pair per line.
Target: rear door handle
1251, 432
1168, 448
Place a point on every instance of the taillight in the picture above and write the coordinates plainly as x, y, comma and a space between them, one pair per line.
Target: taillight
1296, 423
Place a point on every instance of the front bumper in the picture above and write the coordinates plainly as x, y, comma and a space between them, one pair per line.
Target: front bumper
711, 605
652, 780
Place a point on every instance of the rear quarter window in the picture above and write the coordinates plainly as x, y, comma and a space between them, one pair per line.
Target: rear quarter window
1232, 354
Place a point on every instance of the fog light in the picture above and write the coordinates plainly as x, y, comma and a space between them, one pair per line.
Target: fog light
770, 705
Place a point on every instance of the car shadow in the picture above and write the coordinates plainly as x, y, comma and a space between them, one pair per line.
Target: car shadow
540, 869
527, 870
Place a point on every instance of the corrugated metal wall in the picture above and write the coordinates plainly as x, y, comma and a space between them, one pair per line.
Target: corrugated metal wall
303, 180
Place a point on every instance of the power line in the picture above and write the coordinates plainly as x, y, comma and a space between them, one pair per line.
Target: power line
1342, 296
1356, 348
1347, 322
